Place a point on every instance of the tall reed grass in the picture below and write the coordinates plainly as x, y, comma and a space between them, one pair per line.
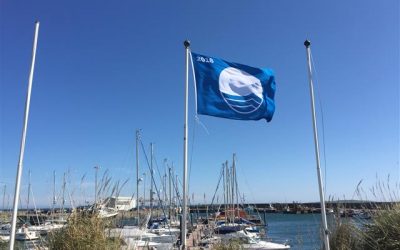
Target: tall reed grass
230, 245
384, 231
381, 232
84, 231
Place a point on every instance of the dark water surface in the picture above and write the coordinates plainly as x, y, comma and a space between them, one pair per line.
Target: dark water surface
302, 230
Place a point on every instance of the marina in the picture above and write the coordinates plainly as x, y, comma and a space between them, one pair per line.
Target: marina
203, 125
297, 230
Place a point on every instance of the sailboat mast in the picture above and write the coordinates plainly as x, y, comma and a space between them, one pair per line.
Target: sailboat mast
170, 192
29, 191
229, 190
95, 185
236, 186
137, 176
151, 178
4, 197
224, 186
233, 187
63, 197
176, 198
164, 183
22, 148
321, 193
144, 190
54, 192
226, 190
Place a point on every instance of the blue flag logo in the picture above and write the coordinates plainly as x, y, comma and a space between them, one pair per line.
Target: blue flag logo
232, 90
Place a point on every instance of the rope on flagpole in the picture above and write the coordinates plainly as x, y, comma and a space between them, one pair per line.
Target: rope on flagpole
196, 116
197, 119
194, 81
322, 117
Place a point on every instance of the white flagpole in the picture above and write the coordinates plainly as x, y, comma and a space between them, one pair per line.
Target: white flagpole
185, 145
321, 193
22, 149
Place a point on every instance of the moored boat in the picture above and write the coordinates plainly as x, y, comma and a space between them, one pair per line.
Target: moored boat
24, 233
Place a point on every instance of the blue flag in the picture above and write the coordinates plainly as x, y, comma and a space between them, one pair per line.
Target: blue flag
232, 90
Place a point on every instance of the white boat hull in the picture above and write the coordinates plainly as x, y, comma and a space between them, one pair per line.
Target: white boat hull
265, 245
4, 238
26, 235
129, 232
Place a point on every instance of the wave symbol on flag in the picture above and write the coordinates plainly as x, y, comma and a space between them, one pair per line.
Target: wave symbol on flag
240, 90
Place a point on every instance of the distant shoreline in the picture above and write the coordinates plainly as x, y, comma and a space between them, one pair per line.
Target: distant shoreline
279, 206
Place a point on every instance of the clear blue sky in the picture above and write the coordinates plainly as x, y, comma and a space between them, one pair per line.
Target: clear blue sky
106, 68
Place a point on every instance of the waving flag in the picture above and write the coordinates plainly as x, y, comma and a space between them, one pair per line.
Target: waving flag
232, 90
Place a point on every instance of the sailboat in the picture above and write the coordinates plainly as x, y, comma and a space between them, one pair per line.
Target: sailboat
137, 237
55, 222
107, 212
24, 233
148, 232
232, 223
5, 232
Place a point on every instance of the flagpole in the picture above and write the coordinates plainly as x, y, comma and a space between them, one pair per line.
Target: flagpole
321, 193
22, 149
185, 145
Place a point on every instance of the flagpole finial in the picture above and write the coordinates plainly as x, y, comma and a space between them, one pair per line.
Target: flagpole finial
307, 43
186, 43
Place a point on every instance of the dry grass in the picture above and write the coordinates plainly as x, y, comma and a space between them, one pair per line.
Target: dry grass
384, 231
3, 245
84, 231
231, 245
345, 236
381, 232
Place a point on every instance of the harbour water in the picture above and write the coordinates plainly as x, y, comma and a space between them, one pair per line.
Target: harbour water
302, 230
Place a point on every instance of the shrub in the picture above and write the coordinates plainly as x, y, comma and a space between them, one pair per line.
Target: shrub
384, 231
230, 245
84, 231
345, 236
381, 232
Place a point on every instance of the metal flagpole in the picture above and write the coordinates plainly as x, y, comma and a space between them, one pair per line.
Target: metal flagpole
22, 149
185, 145
321, 193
